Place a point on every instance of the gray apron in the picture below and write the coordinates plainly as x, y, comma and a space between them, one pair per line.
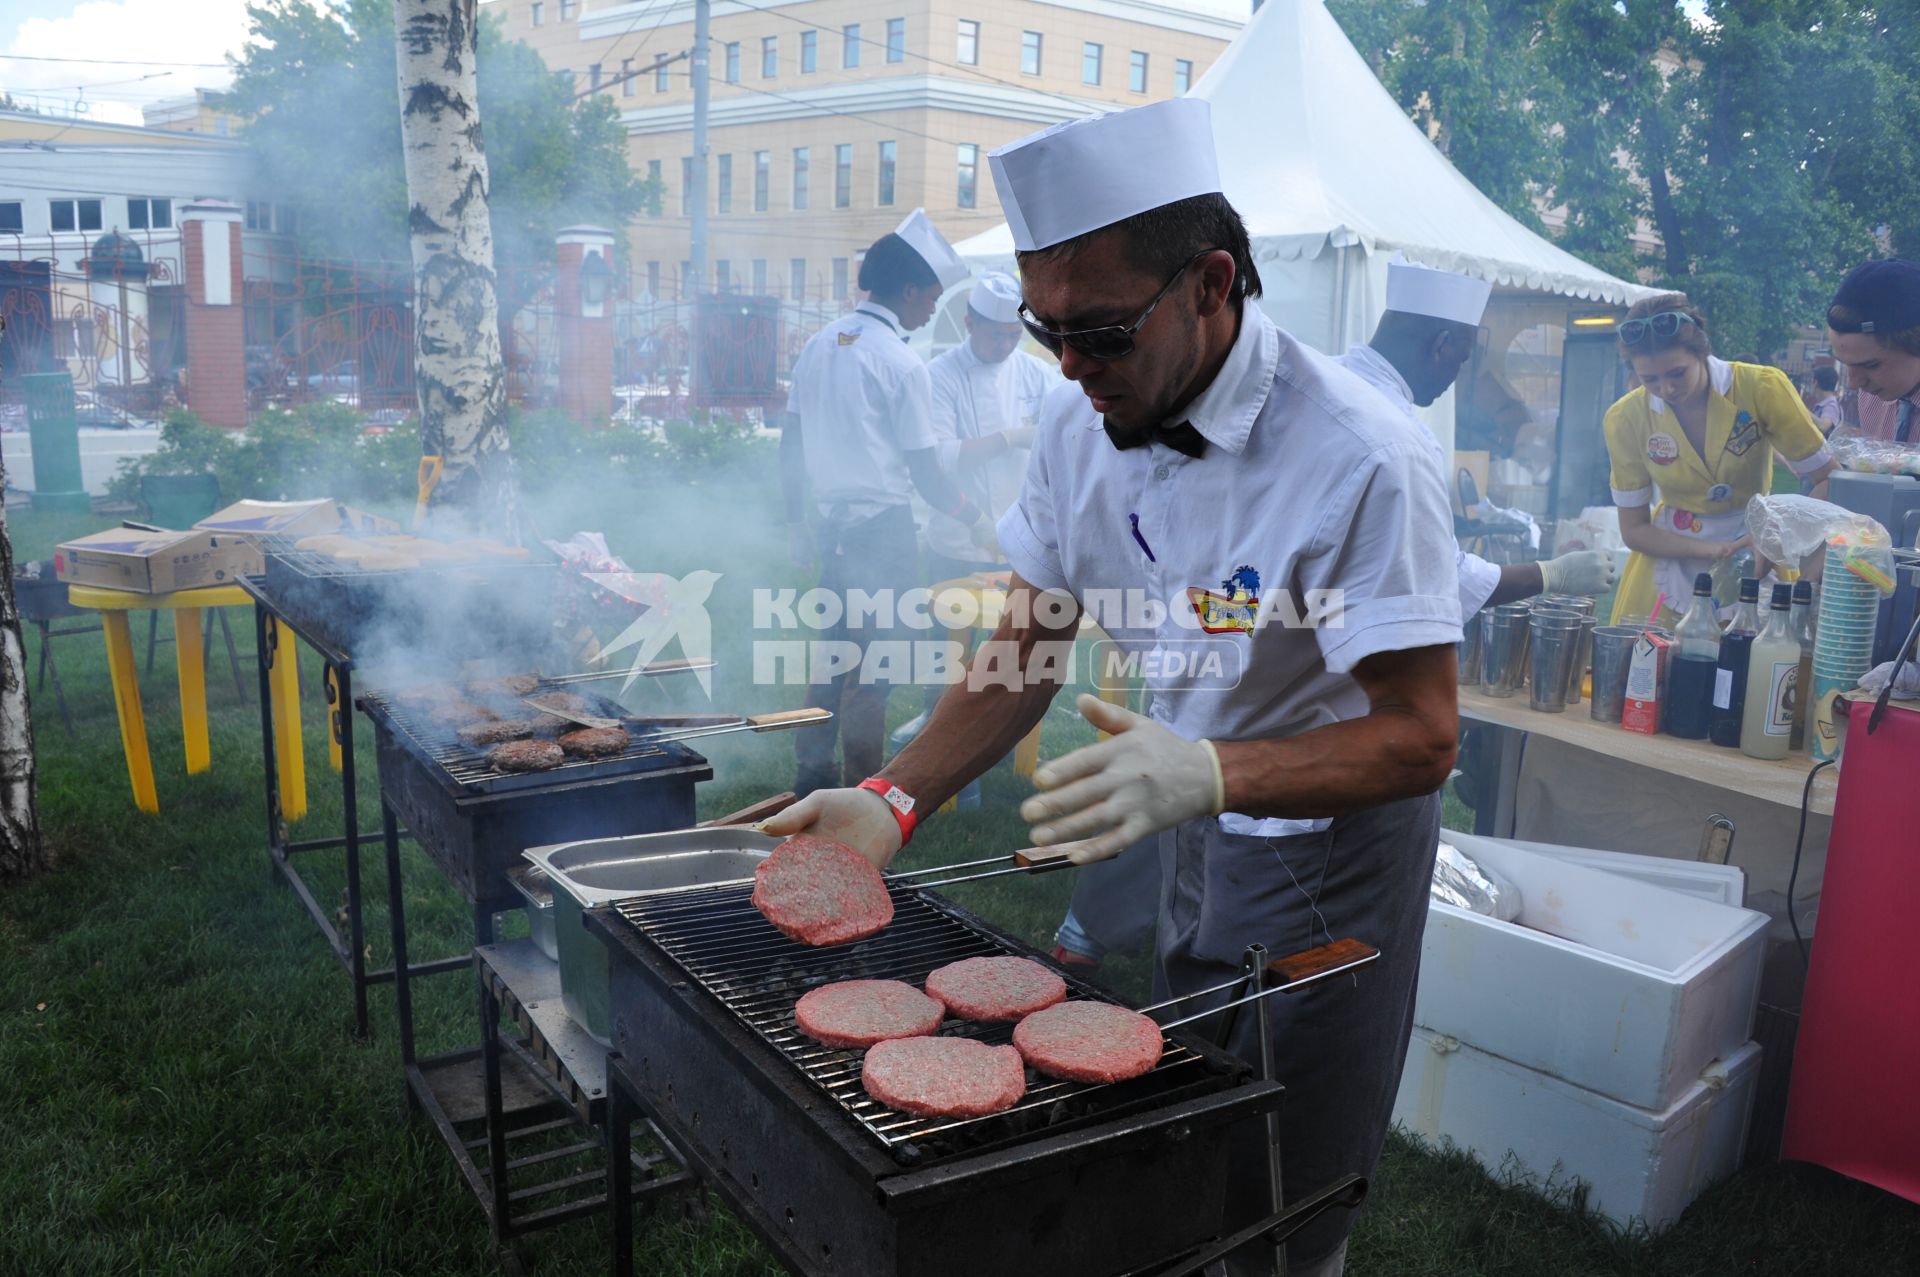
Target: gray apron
1339, 1047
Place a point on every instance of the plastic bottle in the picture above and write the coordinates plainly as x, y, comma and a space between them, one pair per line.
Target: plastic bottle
1695, 659
1803, 681
1730, 677
1773, 666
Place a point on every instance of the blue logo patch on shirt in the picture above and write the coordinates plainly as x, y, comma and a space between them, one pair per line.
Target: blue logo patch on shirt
1746, 433
1234, 608
848, 338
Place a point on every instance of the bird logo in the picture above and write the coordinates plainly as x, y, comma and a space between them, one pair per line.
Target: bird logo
679, 612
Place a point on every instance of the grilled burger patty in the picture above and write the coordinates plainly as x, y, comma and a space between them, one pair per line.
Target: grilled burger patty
944, 1076
457, 714
594, 742
480, 735
505, 685
1089, 1042
818, 891
525, 756
859, 1013
993, 989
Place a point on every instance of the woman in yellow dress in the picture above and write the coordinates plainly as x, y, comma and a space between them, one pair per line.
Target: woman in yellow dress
1702, 433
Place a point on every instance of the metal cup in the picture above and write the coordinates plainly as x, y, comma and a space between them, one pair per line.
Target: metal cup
1555, 642
1612, 654
1503, 653
1470, 644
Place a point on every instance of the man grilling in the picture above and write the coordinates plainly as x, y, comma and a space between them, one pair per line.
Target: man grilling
1219, 467
860, 431
1423, 340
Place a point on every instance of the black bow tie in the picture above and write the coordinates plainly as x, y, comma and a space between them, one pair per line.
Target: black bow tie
1182, 438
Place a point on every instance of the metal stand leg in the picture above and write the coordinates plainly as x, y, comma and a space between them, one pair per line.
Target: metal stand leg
1257, 972
397, 920
153, 636
263, 637
340, 724
620, 1117
496, 1117
233, 657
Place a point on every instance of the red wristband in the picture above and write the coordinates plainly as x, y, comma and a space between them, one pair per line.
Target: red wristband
899, 800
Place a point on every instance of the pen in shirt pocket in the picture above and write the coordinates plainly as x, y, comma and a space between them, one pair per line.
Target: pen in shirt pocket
1134, 520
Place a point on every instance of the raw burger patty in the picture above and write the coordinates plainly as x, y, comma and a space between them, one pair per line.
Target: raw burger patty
859, 1013
525, 756
821, 892
1088, 1042
995, 988
481, 735
944, 1076
594, 742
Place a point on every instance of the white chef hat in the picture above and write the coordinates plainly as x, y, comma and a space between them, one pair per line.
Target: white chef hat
925, 239
996, 297
1065, 181
1413, 289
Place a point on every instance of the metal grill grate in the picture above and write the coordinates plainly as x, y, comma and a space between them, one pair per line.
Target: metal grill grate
716, 936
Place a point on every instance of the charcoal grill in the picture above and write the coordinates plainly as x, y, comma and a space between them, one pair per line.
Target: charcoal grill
1076, 1179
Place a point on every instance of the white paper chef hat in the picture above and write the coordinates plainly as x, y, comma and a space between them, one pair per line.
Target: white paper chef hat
925, 239
1413, 289
1065, 181
996, 297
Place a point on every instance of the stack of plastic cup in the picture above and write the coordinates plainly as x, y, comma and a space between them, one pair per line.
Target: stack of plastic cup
1842, 643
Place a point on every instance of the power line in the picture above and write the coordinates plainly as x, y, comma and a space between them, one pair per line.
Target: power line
118, 62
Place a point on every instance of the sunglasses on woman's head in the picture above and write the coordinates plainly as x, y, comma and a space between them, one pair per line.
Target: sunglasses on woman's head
1661, 326
1108, 342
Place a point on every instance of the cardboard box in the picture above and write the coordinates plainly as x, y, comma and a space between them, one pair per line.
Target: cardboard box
154, 562
1646, 683
293, 518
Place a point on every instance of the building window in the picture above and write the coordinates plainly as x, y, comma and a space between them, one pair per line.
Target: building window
762, 178
968, 192
653, 178
797, 278
566, 10
889, 153
733, 62
769, 56
839, 279
724, 181
1030, 53
809, 52
1137, 72
653, 280
759, 277
722, 275
539, 13
593, 78
967, 48
1182, 76
142, 214
686, 185
896, 39
626, 77
1090, 63
77, 215
685, 280
660, 78
13, 218
850, 45
843, 175
800, 163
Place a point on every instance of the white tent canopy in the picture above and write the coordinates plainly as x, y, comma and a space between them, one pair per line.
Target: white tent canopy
1333, 177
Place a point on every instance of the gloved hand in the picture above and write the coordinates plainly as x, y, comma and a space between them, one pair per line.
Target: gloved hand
859, 818
1019, 436
1100, 800
1580, 572
982, 536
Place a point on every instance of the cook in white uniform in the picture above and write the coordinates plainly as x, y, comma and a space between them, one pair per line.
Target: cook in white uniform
1424, 338
860, 433
1222, 470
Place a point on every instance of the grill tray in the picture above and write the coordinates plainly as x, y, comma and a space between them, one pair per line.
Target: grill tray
718, 938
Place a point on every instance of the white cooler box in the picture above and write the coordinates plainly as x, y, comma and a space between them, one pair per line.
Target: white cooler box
1612, 983
1638, 1165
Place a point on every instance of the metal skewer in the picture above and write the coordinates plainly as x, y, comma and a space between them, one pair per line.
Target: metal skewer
1298, 971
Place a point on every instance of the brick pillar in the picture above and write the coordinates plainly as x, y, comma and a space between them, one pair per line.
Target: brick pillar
216, 315
584, 328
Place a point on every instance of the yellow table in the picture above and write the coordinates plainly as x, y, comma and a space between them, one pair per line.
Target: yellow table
186, 605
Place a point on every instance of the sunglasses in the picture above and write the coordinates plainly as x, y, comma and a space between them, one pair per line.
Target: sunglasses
1111, 341
1660, 326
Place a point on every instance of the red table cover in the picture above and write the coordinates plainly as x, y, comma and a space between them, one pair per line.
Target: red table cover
1855, 1101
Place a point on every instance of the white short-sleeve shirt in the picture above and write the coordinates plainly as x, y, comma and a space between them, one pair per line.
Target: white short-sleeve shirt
1478, 578
864, 401
1310, 483
971, 400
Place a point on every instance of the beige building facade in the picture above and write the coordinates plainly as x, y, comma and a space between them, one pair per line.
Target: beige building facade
830, 120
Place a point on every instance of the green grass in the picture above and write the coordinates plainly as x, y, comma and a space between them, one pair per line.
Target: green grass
182, 1093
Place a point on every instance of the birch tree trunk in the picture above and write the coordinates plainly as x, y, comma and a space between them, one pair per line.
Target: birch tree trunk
457, 359
21, 851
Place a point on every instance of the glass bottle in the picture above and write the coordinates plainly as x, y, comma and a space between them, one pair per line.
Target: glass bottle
1773, 665
1803, 681
1730, 676
1696, 658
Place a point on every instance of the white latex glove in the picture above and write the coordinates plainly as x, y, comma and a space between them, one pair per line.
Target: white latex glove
1019, 436
1581, 572
981, 534
859, 818
1098, 801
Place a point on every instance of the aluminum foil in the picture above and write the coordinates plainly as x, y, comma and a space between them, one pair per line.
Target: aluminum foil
1464, 884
